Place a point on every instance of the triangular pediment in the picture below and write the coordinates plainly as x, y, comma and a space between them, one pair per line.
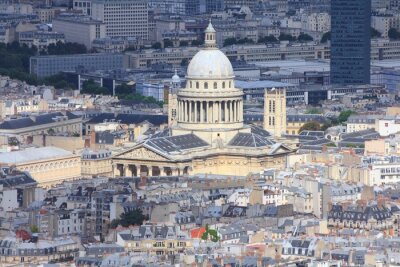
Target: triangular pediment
142, 153
279, 148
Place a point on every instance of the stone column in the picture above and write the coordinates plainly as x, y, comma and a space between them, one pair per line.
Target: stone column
179, 110
138, 170
231, 111
150, 168
187, 111
208, 111
183, 110
190, 111
195, 111
240, 110
201, 111
220, 111
128, 172
225, 111
234, 111
215, 111
114, 170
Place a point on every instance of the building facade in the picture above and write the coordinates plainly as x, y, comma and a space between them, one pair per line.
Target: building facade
123, 18
350, 41
80, 29
43, 66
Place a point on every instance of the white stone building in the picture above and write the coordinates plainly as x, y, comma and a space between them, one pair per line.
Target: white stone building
316, 22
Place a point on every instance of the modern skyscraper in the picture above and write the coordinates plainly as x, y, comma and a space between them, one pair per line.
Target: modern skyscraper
350, 41
123, 18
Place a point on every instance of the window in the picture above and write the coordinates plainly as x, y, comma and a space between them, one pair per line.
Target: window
190, 84
206, 85
215, 85
223, 85
197, 85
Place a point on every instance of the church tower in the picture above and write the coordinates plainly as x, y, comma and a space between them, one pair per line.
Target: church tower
173, 99
275, 111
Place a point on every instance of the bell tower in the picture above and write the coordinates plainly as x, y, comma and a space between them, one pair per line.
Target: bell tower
173, 99
275, 111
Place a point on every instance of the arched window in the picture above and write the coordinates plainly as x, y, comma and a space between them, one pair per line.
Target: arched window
223, 85
206, 85
215, 85
197, 85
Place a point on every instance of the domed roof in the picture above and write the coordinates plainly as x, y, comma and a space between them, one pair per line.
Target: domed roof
210, 63
176, 78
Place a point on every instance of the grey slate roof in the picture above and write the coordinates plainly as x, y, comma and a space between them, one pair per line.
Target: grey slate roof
39, 120
250, 140
17, 180
356, 214
176, 143
130, 118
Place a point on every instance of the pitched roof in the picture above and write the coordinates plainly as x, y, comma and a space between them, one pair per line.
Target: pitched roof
38, 120
130, 118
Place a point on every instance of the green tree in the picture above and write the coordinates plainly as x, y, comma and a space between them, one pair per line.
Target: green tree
268, 39
313, 111
286, 37
304, 37
51, 131
326, 37
58, 81
310, 126
210, 234
394, 34
134, 217
34, 229
156, 45
197, 42
230, 41
61, 48
123, 89
183, 43
245, 41
184, 62
375, 33
90, 87
344, 115
168, 43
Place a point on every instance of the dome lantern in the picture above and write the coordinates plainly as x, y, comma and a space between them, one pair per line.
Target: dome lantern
210, 38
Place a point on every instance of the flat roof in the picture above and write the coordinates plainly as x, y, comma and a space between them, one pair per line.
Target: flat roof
261, 84
296, 65
33, 154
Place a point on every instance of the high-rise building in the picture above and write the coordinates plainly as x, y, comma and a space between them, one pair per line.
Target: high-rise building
123, 18
350, 41
235, 3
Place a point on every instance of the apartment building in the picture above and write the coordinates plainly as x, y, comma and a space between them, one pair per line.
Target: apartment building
316, 22
85, 6
40, 39
123, 18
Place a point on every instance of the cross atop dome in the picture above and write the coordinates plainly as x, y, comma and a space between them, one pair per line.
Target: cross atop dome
210, 39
